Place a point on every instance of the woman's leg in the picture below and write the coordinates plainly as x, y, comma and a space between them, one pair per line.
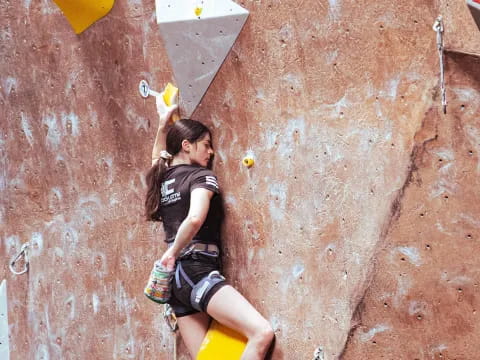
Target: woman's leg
231, 309
193, 329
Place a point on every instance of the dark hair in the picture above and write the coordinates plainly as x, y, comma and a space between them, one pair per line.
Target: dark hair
184, 129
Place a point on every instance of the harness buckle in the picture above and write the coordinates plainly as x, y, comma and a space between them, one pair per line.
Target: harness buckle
209, 249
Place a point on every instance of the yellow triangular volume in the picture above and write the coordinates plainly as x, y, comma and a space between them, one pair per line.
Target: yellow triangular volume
83, 13
221, 343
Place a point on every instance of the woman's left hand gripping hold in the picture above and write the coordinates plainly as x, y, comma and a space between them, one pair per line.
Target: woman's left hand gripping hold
164, 111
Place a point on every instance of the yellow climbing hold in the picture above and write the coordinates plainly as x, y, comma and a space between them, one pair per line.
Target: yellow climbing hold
170, 96
83, 13
198, 10
248, 161
221, 342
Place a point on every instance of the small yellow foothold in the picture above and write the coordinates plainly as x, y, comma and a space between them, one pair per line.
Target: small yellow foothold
198, 10
248, 161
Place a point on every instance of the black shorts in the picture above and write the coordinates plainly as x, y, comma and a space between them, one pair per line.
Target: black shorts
196, 266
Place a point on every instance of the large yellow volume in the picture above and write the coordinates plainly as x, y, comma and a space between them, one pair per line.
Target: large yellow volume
170, 96
83, 13
221, 343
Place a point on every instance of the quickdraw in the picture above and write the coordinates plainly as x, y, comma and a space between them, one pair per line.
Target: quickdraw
438, 28
170, 317
23, 252
171, 321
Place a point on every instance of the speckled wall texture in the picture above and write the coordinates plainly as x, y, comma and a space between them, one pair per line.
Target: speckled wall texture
356, 232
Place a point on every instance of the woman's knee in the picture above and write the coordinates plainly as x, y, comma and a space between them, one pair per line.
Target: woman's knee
264, 333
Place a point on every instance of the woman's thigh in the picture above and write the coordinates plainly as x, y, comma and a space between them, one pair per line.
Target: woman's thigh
244, 319
193, 329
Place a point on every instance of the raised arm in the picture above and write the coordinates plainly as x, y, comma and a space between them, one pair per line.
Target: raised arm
164, 114
199, 206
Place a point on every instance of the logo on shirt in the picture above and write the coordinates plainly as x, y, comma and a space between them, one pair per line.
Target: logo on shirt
169, 195
211, 180
165, 190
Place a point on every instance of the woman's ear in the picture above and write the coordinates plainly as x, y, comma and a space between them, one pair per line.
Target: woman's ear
186, 145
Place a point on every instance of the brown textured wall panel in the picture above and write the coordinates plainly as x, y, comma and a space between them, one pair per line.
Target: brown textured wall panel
424, 294
337, 101
461, 32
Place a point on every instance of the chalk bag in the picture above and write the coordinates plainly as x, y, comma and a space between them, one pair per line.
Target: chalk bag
159, 286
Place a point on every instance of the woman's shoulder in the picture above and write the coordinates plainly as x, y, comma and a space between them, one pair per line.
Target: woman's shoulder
196, 170
205, 178
187, 170
200, 174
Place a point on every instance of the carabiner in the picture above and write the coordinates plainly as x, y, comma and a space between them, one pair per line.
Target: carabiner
23, 252
170, 317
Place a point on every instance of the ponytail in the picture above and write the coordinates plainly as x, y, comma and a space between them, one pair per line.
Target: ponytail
187, 129
154, 184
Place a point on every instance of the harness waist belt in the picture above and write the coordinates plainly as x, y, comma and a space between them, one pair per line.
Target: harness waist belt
202, 247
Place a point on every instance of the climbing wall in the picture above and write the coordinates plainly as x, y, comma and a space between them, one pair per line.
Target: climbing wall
424, 290
461, 34
354, 233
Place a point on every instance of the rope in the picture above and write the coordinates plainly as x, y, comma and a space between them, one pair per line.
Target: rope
438, 28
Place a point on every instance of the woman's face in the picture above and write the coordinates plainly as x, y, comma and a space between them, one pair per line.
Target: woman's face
201, 151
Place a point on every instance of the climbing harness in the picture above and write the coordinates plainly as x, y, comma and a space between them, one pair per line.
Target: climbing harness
23, 252
438, 28
201, 288
202, 248
171, 321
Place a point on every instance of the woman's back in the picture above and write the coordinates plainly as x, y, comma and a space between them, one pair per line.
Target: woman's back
178, 182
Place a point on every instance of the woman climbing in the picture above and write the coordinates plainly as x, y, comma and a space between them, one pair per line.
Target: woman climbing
184, 194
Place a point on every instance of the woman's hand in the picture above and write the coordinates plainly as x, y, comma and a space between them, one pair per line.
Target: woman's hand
168, 259
164, 111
